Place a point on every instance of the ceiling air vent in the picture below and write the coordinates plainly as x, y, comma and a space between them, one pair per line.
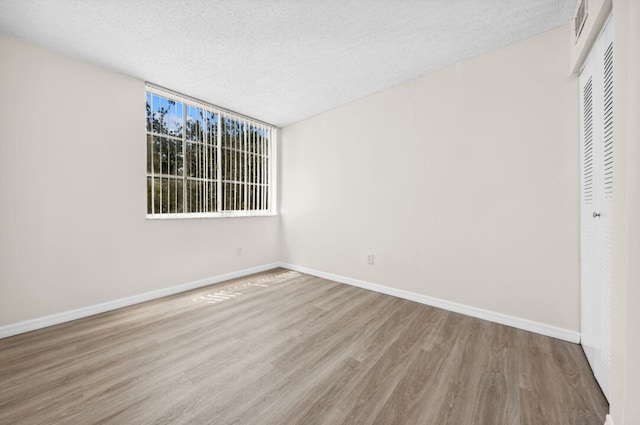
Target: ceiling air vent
580, 18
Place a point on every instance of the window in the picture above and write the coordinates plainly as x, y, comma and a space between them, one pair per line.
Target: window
203, 161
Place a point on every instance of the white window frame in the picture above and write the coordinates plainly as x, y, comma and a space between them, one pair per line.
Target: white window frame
263, 185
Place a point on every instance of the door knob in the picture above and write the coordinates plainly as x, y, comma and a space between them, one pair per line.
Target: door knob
595, 214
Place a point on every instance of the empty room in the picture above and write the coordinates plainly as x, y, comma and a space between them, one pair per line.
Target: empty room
320, 212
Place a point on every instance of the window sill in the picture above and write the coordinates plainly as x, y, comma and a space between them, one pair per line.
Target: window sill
234, 214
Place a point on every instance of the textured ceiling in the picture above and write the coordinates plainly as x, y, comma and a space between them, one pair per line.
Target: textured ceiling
280, 60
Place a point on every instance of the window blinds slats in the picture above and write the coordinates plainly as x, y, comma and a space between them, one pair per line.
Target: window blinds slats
203, 160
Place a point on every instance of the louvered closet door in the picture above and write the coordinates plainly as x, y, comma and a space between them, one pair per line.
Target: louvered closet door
596, 173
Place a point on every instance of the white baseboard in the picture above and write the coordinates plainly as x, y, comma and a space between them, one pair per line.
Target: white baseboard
516, 322
608, 421
67, 316
504, 319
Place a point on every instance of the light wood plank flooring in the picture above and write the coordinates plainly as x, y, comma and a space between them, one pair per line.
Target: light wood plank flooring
286, 348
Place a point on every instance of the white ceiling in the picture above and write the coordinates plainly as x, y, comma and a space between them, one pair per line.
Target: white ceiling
279, 60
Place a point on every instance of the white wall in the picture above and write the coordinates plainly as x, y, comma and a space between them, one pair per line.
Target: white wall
462, 183
625, 402
73, 231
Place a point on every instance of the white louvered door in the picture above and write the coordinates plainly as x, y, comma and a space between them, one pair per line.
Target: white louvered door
596, 176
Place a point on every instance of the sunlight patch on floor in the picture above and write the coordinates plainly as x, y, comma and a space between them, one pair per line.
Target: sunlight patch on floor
235, 291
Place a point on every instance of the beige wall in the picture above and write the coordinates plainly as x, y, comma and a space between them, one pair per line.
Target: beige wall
73, 231
462, 183
625, 403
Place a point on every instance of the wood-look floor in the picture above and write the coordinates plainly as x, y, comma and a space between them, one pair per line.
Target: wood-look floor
286, 348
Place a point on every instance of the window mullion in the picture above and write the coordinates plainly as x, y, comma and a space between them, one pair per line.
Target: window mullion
272, 160
160, 157
205, 164
199, 168
153, 176
253, 169
184, 157
235, 168
246, 189
259, 169
263, 171
219, 165
207, 149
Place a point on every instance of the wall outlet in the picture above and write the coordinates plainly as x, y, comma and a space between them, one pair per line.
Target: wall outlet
370, 259
238, 251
